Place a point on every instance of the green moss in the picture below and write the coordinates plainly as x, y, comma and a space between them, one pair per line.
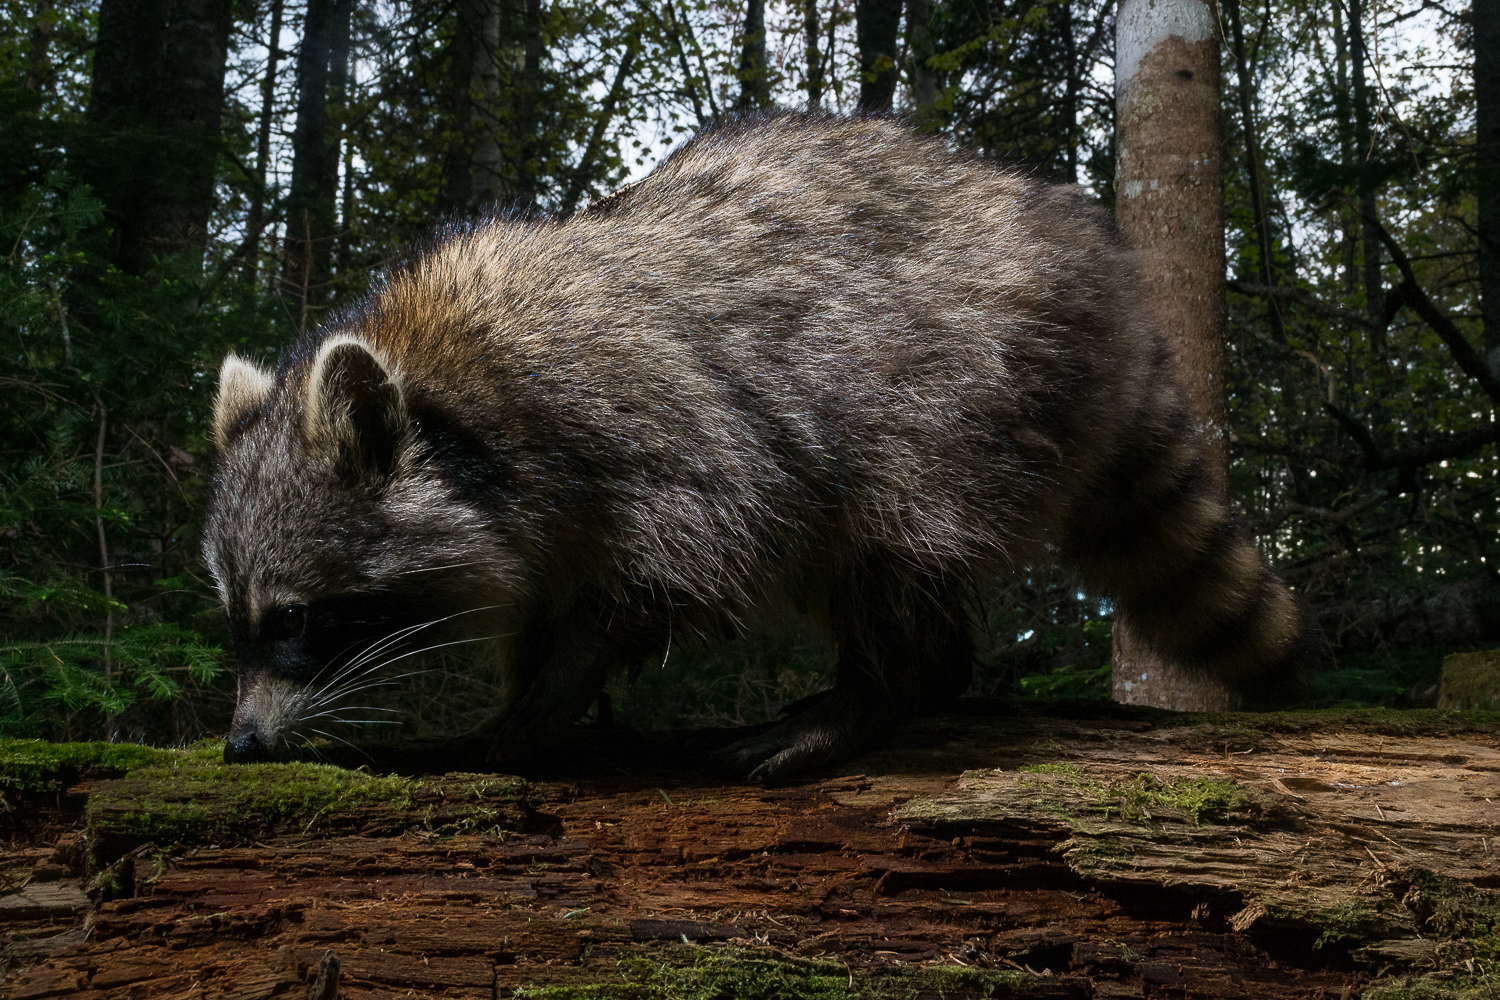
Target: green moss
1471, 680
1483, 985
193, 801
708, 973
36, 765
1144, 796
1343, 922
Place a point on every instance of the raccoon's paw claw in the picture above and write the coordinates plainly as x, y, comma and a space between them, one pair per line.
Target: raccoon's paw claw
837, 727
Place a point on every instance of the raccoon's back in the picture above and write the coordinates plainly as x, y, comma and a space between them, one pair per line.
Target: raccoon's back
795, 325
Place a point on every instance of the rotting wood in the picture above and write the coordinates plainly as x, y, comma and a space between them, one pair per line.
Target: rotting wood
1141, 854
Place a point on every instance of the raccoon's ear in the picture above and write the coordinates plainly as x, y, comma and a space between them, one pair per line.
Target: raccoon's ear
354, 413
243, 388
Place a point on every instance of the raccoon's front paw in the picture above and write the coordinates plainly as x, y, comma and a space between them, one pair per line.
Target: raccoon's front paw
836, 728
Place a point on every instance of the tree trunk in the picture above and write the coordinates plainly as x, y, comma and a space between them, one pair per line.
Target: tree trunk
811, 30
1170, 204
924, 88
38, 64
876, 25
528, 95
1487, 169
121, 158
192, 104
755, 84
311, 211
1363, 150
488, 183
976, 856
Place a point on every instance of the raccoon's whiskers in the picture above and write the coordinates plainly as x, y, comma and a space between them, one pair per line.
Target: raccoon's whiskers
353, 685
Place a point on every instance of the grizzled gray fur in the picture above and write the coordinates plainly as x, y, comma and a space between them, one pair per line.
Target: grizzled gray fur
809, 362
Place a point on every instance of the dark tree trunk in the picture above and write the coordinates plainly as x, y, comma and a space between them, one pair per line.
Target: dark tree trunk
924, 89
311, 216
755, 85
876, 23
120, 159
1363, 136
1170, 203
462, 57
1344, 114
158, 91
812, 29
1487, 169
192, 103
38, 65
528, 96
255, 220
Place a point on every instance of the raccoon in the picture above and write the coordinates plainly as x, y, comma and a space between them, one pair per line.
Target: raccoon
809, 362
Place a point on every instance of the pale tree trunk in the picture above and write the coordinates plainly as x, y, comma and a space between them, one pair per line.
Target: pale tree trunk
876, 24
1170, 204
1487, 172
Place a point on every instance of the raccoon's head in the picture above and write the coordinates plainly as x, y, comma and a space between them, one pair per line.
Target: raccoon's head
333, 538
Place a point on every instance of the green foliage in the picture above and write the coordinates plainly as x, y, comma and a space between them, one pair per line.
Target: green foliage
105, 619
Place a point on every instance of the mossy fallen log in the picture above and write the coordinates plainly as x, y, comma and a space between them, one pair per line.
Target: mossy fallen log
1135, 853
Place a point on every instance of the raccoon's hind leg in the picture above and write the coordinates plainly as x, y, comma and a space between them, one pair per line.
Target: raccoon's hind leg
1158, 536
903, 645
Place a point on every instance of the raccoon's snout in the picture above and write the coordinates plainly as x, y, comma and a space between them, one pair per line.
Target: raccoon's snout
245, 748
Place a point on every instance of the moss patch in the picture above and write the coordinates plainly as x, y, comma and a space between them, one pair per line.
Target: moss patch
1471, 680
698, 973
39, 766
190, 800
1145, 797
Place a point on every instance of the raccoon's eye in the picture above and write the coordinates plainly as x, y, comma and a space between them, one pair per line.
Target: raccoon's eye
285, 622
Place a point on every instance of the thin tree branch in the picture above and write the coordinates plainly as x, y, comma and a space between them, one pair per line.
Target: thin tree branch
1463, 352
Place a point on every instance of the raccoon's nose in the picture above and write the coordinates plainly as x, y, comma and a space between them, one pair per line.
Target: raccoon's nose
245, 748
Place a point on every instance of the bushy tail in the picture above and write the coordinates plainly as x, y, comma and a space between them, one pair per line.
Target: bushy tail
1157, 535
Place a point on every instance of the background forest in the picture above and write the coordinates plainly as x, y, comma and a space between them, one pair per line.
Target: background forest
179, 178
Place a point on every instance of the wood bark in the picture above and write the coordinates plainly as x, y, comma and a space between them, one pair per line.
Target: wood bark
924, 83
310, 206
1169, 199
38, 63
1138, 854
755, 81
191, 106
155, 105
875, 29
1364, 148
812, 29
528, 95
